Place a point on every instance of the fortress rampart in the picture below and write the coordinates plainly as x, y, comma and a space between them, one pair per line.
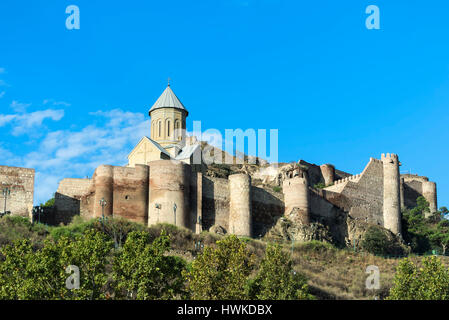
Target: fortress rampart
170, 191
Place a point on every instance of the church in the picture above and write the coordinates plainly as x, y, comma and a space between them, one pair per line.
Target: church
168, 134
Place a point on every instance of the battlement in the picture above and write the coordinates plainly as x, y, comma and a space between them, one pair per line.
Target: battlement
389, 158
354, 178
295, 181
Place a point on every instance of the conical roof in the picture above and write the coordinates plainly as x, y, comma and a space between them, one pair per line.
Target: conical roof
168, 99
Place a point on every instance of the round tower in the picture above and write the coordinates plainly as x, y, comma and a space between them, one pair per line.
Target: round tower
141, 196
240, 205
168, 119
328, 173
296, 195
104, 182
391, 198
429, 191
169, 193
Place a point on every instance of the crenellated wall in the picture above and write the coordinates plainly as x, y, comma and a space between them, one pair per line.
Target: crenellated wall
361, 195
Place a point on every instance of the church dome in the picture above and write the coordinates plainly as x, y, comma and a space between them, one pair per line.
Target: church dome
168, 99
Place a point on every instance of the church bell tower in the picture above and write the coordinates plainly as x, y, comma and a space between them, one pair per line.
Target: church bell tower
168, 119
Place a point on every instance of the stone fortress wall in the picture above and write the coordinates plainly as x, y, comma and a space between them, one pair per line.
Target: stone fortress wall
148, 194
170, 191
20, 182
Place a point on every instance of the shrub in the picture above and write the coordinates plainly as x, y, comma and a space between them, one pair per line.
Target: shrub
431, 282
41, 274
379, 241
141, 270
276, 279
221, 273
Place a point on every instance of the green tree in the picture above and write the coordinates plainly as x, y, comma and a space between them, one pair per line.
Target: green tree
416, 228
430, 282
221, 273
41, 274
276, 279
444, 212
440, 235
27, 274
380, 241
142, 271
49, 203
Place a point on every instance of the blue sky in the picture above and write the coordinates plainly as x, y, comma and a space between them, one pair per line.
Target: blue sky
336, 91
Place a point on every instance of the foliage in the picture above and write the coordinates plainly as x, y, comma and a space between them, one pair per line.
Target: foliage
276, 279
431, 282
319, 185
142, 271
50, 203
376, 241
116, 229
41, 274
13, 228
425, 234
221, 273
77, 227
315, 245
277, 189
440, 236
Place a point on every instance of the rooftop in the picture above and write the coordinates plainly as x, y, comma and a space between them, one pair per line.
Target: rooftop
168, 99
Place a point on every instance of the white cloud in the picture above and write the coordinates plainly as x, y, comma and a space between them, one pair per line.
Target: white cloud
56, 103
22, 122
77, 153
19, 106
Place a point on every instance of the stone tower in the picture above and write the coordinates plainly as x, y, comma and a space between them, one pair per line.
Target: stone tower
104, 182
391, 194
296, 195
168, 119
240, 204
169, 193
328, 173
429, 191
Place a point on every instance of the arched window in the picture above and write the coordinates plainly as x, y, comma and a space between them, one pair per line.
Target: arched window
168, 128
153, 129
177, 130
159, 128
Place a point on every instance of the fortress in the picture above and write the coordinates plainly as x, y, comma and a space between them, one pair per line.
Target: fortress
167, 181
